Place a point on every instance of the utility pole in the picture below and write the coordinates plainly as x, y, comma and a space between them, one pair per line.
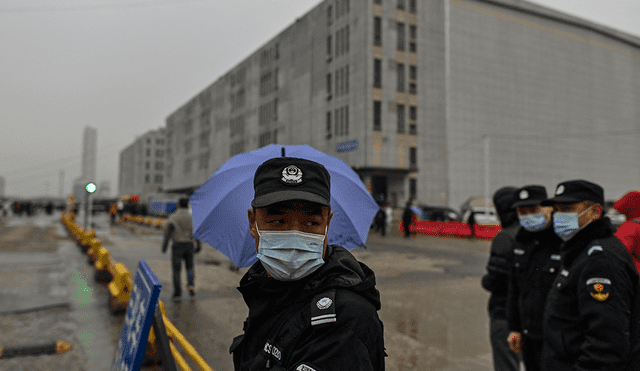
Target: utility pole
61, 184
487, 198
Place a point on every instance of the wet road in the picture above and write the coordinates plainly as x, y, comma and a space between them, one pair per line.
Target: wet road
434, 308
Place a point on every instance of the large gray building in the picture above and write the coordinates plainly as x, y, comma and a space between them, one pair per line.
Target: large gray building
436, 100
141, 167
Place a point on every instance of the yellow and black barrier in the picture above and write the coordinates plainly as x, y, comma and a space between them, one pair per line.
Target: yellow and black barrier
121, 284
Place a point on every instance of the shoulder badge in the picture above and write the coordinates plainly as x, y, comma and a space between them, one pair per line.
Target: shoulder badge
599, 288
304, 367
518, 251
292, 175
324, 303
556, 257
594, 249
323, 308
524, 194
560, 189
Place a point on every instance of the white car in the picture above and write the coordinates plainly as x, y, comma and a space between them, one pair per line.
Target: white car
483, 215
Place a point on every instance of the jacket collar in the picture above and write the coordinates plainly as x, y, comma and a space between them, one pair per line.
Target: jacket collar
599, 228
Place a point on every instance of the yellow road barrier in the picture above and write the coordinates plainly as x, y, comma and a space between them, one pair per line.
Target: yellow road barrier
120, 287
94, 246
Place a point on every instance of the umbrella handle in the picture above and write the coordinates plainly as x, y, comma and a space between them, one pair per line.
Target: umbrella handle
283, 151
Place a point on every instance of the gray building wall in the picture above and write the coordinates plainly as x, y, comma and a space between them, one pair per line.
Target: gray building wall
554, 106
142, 165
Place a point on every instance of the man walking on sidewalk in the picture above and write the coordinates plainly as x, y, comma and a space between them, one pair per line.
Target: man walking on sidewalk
180, 230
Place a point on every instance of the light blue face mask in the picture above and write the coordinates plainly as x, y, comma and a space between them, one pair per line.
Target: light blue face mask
290, 255
566, 225
534, 222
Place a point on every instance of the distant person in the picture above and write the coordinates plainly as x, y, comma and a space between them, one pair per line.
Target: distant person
472, 224
113, 211
536, 262
407, 218
496, 280
180, 230
592, 316
629, 231
380, 221
389, 216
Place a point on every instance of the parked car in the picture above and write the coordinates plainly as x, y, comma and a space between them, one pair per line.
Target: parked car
615, 217
483, 215
439, 213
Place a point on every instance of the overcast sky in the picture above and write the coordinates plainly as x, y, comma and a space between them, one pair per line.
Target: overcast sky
122, 66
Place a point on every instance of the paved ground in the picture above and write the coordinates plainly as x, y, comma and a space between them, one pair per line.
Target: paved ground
434, 309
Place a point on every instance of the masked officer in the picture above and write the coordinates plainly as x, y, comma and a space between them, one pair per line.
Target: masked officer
312, 306
180, 230
497, 279
592, 314
536, 262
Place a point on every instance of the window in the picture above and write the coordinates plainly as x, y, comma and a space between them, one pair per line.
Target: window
203, 161
328, 86
159, 153
413, 32
329, 47
413, 72
377, 1
377, 73
275, 109
413, 7
204, 119
275, 80
346, 120
146, 178
412, 47
377, 116
148, 152
413, 157
148, 140
401, 36
377, 31
147, 165
400, 4
159, 142
413, 188
159, 165
400, 72
158, 178
188, 126
413, 113
277, 50
187, 165
204, 139
336, 119
413, 88
400, 112
187, 145
329, 15
328, 124
346, 40
337, 85
346, 80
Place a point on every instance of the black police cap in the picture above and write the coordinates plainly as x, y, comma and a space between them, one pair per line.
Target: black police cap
574, 191
531, 195
289, 178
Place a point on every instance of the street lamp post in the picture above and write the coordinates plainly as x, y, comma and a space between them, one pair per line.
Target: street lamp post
89, 188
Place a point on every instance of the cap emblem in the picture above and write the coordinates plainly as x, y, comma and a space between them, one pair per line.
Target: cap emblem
292, 175
524, 194
560, 189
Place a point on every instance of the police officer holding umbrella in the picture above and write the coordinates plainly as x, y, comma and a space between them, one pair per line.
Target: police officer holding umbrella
591, 320
536, 262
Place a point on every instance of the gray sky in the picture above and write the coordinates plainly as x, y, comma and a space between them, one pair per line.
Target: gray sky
122, 66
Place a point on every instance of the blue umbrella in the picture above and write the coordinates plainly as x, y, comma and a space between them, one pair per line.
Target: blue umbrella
220, 205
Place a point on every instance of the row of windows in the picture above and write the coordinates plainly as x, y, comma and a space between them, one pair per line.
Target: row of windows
188, 144
236, 126
400, 35
268, 113
400, 76
203, 163
159, 165
269, 82
341, 122
413, 5
159, 141
205, 119
236, 148
269, 55
238, 99
267, 138
159, 152
343, 7
238, 77
400, 117
204, 138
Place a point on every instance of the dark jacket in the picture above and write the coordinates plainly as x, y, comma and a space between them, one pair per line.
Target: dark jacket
536, 263
286, 330
592, 315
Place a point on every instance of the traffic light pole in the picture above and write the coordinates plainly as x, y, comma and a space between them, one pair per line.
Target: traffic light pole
86, 210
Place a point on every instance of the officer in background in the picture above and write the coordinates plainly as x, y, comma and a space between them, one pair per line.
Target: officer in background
180, 230
313, 307
536, 262
592, 314
497, 279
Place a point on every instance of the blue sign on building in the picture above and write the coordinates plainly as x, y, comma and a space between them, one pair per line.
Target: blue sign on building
137, 322
347, 146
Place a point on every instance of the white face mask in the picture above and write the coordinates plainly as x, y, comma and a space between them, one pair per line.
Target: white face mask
290, 255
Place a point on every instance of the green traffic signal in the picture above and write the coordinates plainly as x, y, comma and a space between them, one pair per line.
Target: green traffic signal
90, 187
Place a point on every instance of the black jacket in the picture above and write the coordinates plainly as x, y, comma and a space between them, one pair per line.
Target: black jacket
536, 263
592, 312
290, 324
498, 270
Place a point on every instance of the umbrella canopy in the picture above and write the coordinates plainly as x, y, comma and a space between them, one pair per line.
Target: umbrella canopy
220, 205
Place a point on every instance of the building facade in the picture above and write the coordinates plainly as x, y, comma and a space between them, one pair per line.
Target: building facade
437, 101
142, 165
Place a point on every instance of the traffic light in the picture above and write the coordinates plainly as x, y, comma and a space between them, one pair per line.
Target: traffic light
90, 187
